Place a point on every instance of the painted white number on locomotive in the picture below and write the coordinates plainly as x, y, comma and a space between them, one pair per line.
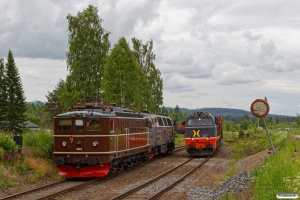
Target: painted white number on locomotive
79, 149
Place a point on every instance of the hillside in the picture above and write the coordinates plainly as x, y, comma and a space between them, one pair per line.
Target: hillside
222, 112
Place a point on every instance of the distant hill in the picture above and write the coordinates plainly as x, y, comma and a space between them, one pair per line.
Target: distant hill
36, 102
235, 115
218, 111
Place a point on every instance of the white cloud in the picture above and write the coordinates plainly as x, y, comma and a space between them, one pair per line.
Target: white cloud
210, 54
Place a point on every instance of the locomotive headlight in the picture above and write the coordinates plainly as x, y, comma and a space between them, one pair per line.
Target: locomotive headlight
95, 144
64, 143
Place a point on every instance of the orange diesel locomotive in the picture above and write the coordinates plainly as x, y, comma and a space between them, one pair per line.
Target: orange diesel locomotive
203, 133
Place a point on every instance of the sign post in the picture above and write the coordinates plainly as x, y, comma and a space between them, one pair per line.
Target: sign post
260, 108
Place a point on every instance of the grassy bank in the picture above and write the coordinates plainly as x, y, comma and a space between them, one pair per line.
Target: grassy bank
32, 163
279, 173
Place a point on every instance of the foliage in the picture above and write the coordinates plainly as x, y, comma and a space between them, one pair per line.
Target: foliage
230, 126
2, 152
40, 168
7, 143
245, 124
40, 143
54, 105
13, 106
179, 140
152, 89
298, 119
3, 95
256, 142
88, 49
280, 172
123, 77
35, 113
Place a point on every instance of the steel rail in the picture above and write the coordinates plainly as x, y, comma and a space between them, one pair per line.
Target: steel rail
125, 194
160, 193
34, 190
74, 187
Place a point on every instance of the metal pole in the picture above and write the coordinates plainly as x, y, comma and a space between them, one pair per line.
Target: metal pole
269, 136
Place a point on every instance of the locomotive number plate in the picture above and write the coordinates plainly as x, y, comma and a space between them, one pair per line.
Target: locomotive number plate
79, 149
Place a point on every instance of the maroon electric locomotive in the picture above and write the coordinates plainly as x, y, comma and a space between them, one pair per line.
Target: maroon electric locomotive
93, 139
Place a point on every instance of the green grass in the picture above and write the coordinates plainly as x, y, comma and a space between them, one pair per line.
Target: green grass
256, 142
294, 131
33, 163
280, 173
40, 143
230, 136
179, 139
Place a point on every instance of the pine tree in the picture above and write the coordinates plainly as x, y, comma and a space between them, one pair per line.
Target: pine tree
16, 105
54, 106
3, 97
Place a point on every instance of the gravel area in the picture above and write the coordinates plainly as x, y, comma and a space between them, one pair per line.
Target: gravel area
200, 183
235, 184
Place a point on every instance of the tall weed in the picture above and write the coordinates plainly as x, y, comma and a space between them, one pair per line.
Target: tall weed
40, 143
279, 173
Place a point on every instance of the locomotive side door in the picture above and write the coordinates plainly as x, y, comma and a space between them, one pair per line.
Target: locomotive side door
153, 131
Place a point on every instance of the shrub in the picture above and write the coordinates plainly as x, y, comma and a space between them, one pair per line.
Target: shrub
41, 144
8, 144
2, 151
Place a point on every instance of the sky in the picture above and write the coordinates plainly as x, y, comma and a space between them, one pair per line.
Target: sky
211, 53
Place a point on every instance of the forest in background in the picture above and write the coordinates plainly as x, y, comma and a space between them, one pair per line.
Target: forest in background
35, 113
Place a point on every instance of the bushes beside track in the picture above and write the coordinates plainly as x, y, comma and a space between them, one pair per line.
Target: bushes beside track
278, 174
35, 161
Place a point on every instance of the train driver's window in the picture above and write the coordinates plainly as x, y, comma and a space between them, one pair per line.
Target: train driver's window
78, 124
94, 125
165, 121
65, 125
160, 122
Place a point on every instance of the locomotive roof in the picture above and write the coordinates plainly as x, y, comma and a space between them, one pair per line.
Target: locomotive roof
113, 111
200, 114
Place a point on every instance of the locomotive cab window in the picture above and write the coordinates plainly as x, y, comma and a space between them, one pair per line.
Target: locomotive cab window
201, 122
94, 125
169, 122
65, 125
160, 122
79, 125
165, 121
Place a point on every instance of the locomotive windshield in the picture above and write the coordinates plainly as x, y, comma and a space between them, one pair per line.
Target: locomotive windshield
94, 125
201, 121
65, 125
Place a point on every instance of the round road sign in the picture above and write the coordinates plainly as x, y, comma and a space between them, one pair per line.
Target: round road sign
259, 108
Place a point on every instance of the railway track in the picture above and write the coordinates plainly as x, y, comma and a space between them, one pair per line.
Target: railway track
66, 186
133, 193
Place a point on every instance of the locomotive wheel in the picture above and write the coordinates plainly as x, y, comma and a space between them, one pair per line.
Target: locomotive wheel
120, 167
113, 167
129, 164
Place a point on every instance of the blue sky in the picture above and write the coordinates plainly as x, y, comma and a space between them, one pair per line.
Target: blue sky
210, 53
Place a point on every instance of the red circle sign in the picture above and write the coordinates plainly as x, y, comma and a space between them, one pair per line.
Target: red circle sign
259, 108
